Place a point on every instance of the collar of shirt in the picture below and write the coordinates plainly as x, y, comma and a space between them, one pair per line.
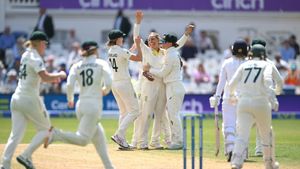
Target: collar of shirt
170, 49
160, 52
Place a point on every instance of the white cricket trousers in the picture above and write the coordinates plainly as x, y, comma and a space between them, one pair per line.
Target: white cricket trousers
88, 112
153, 99
251, 110
128, 104
24, 109
175, 95
228, 125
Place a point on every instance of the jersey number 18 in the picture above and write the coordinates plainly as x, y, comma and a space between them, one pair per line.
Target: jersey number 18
87, 77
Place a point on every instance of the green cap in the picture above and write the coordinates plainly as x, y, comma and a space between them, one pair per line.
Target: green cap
258, 51
88, 45
169, 38
38, 35
259, 41
115, 34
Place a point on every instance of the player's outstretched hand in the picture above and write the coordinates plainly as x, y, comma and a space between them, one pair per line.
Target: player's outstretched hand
70, 104
189, 30
148, 76
62, 74
138, 16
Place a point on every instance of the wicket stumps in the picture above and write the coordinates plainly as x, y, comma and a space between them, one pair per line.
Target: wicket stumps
192, 117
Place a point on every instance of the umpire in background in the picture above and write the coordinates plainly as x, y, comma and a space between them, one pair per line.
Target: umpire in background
45, 23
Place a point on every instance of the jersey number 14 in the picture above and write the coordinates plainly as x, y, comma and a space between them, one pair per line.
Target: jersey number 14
113, 64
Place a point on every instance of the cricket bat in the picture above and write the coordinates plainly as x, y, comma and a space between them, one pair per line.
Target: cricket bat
217, 131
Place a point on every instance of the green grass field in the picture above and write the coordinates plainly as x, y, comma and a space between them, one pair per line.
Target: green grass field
287, 137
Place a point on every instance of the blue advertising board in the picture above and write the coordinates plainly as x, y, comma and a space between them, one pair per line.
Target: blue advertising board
57, 105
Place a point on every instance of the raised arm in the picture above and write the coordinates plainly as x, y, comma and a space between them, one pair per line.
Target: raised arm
185, 36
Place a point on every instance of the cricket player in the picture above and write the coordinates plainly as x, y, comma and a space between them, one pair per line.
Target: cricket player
94, 78
121, 86
153, 94
26, 104
229, 67
171, 73
254, 81
278, 84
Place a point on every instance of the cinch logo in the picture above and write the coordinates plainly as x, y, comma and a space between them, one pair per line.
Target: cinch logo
192, 104
106, 3
238, 4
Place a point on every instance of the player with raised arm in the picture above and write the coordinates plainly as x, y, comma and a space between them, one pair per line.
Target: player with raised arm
239, 52
26, 104
121, 84
94, 78
171, 73
153, 93
254, 82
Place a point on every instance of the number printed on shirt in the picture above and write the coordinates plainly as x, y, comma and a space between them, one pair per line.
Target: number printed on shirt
23, 72
87, 77
252, 71
113, 64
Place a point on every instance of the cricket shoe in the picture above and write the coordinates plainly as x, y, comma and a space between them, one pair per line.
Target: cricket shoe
235, 166
120, 141
49, 138
156, 146
143, 147
270, 165
258, 154
174, 146
25, 162
130, 148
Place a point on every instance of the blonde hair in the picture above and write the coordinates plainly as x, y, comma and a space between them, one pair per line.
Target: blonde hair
32, 44
86, 53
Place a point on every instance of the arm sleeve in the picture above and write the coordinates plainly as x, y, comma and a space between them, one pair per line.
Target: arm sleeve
106, 79
165, 70
278, 80
71, 83
222, 81
126, 54
237, 77
38, 65
268, 81
136, 33
182, 41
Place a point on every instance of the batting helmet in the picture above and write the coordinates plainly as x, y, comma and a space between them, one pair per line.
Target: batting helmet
240, 47
258, 51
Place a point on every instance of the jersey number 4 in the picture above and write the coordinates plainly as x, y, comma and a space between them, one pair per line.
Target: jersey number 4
113, 64
87, 77
257, 69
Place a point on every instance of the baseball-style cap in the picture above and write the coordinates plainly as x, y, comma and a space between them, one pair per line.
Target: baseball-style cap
38, 35
258, 41
89, 45
115, 34
169, 38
